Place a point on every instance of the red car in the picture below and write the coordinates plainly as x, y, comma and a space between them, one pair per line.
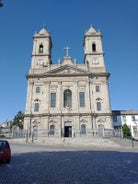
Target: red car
5, 151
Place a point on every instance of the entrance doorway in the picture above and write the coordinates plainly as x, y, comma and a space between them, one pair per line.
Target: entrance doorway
67, 129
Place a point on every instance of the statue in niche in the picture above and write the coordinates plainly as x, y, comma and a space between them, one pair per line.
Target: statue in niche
75, 61
59, 61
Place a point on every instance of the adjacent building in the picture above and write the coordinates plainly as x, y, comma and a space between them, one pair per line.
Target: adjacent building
68, 99
128, 117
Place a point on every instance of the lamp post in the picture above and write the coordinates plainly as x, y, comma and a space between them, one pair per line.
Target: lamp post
1, 4
0, 130
136, 129
131, 128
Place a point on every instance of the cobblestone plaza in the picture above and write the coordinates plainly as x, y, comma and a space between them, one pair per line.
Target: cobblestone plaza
39, 164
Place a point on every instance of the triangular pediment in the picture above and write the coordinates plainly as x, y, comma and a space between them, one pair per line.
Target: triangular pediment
67, 70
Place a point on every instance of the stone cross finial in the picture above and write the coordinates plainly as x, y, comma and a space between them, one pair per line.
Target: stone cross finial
67, 50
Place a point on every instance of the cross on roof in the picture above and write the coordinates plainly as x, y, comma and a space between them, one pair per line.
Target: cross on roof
67, 50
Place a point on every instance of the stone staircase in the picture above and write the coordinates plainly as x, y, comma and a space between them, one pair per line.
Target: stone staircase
125, 143
78, 142
82, 142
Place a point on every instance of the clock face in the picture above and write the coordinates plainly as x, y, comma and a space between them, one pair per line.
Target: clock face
95, 60
40, 62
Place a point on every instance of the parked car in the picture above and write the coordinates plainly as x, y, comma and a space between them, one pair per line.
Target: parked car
5, 151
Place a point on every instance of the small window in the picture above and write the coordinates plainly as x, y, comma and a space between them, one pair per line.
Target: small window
99, 106
94, 47
41, 48
53, 99
114, 118
82, 99
37, 89
97, 88
36, 107
83, 129
133, 118
52, 130
124, 118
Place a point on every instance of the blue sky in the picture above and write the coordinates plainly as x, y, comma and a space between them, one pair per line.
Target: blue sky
67, 22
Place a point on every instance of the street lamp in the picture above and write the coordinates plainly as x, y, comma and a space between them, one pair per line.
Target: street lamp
132, 134
1, 4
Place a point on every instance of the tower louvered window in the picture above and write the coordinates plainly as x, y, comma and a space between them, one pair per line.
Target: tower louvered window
94, 47
41, 48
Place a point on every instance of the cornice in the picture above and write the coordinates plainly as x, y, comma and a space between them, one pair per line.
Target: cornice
105, 74
67, 114
95, 53
41, 54
93, 35
124, 112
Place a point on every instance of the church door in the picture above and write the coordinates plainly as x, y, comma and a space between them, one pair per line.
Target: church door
68, 129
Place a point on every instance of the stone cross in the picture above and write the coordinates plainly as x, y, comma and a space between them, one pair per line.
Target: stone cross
67, 50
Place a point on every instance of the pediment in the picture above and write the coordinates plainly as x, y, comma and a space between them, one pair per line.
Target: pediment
67, 70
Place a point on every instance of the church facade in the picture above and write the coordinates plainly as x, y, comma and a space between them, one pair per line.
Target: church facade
68, 99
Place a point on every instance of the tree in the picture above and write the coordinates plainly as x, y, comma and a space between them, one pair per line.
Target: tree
18, 120
1, 4
126, 131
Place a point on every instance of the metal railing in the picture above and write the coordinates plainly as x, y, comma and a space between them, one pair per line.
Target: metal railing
43, 134
113, 133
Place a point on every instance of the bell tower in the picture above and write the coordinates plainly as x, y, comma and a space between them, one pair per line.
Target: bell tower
93, 52
42, 45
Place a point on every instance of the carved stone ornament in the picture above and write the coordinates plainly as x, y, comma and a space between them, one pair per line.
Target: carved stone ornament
67, 71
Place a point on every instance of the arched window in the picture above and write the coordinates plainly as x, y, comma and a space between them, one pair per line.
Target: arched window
36, 107
41, 48
83, 129
94, 47
67, 98
52, 130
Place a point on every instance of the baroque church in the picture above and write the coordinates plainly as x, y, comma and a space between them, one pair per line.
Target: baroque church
68, 99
